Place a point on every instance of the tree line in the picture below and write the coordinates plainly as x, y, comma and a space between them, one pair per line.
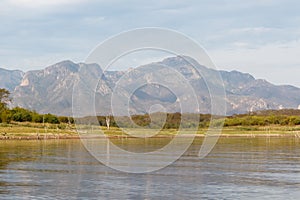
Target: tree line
18, 114
288, 117
23, 115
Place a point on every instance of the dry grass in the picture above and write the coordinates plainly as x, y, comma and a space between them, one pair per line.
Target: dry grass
40, 130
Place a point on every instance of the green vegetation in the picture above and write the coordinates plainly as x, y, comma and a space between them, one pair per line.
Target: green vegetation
23, 115
4, 98
174, 120
265, 118
155, 120
4, 101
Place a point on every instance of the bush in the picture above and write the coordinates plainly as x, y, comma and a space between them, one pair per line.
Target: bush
37, 118
52, 119
62, 126
21, 115
233, 121
5, 116
294, 120
63, 119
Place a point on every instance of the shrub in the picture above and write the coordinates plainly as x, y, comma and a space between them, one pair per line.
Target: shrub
52, 119
5, 116
21, 115
37, 118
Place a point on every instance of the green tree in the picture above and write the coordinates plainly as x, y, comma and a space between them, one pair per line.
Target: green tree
21, 115
4, 101
52, 119
37, 117
64, 119
5, 116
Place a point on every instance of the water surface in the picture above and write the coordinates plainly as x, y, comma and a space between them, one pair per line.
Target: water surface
237, 168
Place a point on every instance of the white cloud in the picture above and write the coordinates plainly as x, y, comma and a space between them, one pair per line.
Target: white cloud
92, 20
277, 62
271, 54
251, 30
241, 44
42, 3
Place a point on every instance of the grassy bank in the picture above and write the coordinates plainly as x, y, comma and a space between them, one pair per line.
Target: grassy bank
26, 130
29, 130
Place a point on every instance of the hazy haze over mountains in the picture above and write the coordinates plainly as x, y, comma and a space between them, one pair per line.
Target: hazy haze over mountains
50, 90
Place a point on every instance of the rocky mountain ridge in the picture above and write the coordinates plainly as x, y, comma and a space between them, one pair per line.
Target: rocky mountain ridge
50, 90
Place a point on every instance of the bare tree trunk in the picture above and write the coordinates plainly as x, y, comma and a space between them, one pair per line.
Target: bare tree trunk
107, 122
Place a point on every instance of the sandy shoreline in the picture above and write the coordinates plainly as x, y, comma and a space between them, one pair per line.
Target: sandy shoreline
56, 137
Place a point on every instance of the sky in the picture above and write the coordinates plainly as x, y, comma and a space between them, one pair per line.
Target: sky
260, 37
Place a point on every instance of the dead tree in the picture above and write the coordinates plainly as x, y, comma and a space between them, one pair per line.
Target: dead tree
107, 119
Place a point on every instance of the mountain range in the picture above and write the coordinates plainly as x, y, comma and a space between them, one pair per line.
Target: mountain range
50, 90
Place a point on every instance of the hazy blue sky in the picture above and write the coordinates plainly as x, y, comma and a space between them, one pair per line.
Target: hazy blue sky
261, 37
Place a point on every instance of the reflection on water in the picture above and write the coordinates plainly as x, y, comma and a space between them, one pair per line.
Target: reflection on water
238, 168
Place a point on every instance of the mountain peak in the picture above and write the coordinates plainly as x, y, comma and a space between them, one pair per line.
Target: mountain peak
178, 60
50, 90
63, 65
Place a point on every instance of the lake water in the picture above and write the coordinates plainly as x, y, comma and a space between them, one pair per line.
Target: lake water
237, 168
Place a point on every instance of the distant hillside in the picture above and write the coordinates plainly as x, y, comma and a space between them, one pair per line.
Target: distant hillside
50, 90
9, 79
287, 112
